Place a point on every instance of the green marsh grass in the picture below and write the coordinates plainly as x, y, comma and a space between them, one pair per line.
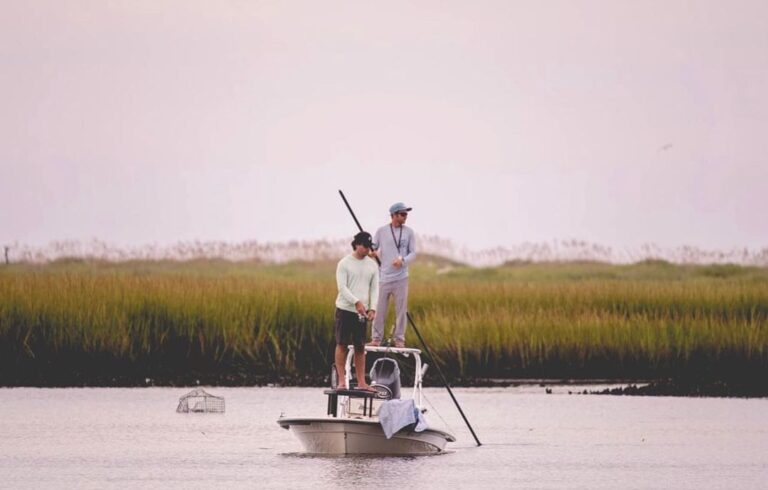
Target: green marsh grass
127, 321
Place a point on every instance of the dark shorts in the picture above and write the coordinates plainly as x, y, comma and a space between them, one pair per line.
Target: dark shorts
349, 329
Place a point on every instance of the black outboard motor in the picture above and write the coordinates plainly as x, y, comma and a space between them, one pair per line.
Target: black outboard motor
386, 373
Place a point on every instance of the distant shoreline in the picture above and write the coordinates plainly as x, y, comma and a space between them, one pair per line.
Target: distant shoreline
319, 250
619, 387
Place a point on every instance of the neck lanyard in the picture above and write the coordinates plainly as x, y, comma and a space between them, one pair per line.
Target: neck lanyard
398, 240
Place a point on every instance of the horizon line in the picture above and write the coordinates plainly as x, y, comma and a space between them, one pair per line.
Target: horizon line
327, 249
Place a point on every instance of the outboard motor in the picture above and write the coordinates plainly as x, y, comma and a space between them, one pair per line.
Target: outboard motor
386, 373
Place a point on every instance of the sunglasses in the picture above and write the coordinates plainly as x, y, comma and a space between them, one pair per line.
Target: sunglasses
402, 213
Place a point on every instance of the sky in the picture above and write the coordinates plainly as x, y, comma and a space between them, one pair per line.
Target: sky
500, 122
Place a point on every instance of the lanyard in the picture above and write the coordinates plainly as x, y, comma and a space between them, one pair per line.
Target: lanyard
398, 240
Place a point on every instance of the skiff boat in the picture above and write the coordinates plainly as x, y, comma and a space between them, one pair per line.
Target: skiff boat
361, 422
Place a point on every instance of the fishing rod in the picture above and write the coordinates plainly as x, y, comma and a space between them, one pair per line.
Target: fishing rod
418, 334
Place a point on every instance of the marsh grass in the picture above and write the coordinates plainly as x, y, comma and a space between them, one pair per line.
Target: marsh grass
88, 320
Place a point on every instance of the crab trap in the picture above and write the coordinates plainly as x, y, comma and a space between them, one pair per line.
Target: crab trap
200, 401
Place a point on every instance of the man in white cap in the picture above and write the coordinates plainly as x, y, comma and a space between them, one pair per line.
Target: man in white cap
395, 246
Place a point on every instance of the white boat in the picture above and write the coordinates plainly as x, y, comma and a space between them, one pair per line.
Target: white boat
352, 424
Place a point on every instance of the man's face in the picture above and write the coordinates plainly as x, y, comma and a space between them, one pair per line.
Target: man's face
401, 216
362, 249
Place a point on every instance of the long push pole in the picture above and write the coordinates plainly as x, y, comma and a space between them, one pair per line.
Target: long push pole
421, 339
442, 377
349, 208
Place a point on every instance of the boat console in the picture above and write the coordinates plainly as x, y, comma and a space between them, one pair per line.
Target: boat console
385, 377
367, 398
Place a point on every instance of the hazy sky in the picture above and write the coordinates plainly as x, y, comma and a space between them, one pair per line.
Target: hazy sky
616, 122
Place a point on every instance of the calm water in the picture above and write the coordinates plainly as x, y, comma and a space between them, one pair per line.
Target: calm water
133, 438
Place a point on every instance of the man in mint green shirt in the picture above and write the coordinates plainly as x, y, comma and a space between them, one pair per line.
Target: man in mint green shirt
357, 279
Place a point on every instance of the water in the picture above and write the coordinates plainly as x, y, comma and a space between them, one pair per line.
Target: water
133, 438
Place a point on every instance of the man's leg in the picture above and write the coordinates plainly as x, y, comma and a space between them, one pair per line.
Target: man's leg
382, 305
400, 292
360, 368
341, 361
341, 333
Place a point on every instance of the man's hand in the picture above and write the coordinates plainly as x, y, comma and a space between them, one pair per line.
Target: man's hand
360, 308
373, 254
371, 315
398, 262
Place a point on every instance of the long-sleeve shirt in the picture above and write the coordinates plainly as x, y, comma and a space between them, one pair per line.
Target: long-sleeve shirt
391, 243
357, 280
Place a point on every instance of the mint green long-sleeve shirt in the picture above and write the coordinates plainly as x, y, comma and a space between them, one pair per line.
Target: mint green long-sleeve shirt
357, 280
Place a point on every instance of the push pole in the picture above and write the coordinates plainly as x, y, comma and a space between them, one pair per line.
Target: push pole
359, 227
418, 334
442, 377
349, 208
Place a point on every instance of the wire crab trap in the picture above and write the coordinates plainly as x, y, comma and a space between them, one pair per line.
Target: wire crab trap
200, 401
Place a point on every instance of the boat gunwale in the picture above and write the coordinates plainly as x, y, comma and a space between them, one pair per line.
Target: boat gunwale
286, 422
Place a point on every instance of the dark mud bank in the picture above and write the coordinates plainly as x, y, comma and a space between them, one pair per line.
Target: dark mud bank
692, 388
61, 378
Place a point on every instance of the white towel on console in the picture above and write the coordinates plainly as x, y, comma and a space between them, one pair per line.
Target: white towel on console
396, 414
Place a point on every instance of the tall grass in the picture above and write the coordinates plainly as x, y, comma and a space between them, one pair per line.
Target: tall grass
519, 320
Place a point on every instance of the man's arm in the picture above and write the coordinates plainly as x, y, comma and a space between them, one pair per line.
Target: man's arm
375, 288
411, 252
341, 284
376, 244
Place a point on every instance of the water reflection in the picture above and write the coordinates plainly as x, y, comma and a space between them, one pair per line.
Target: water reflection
134, 438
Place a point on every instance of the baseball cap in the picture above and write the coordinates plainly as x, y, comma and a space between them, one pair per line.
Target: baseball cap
363, 238
397, 207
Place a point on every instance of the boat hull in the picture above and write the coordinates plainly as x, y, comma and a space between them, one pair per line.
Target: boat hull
350, 436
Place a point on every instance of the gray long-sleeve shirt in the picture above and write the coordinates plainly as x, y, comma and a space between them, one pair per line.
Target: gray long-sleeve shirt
387, 246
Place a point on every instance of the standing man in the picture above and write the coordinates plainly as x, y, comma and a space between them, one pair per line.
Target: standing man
396, 249
357, 278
